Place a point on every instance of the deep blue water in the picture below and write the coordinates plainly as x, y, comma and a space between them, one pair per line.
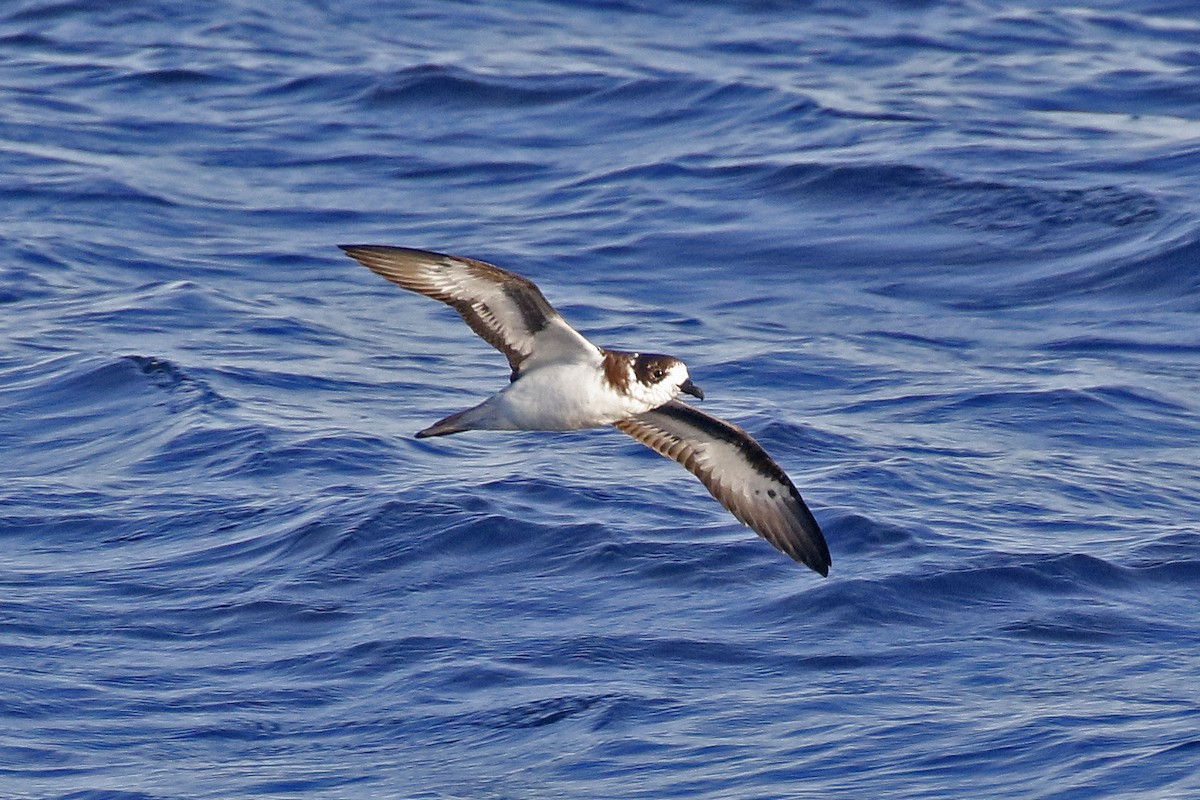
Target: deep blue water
941, 258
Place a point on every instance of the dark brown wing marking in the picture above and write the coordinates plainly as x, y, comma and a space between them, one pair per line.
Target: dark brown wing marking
738, 473
507, 311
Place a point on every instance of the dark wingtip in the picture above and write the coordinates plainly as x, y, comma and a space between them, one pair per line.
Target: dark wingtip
811, 550
817, 559
820, 562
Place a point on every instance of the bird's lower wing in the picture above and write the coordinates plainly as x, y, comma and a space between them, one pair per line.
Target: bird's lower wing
738, 473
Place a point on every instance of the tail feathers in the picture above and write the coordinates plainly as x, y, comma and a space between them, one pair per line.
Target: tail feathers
455, 423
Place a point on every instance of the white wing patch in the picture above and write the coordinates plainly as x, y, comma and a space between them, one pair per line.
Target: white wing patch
738, 473
509, 312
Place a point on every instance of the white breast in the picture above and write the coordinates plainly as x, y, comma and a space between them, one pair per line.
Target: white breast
562, 397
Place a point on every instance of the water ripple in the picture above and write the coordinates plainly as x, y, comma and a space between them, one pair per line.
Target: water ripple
937, 257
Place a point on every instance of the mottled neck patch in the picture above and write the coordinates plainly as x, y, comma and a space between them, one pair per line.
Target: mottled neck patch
619, 369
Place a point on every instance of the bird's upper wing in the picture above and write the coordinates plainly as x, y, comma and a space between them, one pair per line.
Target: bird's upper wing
738, 472
508, 311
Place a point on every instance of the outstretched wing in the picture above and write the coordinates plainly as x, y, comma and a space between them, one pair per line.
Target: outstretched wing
508, 311
738, 472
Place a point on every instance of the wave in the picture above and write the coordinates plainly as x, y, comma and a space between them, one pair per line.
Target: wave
448, 87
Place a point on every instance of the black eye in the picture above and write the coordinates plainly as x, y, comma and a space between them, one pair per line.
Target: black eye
658, 374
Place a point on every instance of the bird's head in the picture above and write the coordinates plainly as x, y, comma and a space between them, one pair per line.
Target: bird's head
663, 378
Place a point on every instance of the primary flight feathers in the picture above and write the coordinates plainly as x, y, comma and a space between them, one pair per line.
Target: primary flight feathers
561, 381
507, 311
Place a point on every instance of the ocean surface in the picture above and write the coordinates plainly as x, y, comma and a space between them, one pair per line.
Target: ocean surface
941, 258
